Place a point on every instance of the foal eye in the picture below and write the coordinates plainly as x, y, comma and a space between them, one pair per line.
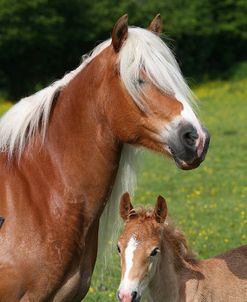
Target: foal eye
118, 248
155, 252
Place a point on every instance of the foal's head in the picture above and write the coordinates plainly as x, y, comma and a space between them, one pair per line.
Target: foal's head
150, 102
139, 247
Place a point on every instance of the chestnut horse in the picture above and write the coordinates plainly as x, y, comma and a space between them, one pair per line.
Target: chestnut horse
64, 155
156, 262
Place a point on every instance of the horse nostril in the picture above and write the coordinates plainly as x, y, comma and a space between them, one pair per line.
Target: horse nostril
189, 137
134, 296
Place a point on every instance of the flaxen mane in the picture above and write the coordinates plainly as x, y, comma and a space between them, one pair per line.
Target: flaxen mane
178, 243
142, 50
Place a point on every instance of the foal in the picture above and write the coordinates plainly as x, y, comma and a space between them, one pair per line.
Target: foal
157, 263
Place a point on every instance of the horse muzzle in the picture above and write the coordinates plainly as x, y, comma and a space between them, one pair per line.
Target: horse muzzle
189, 148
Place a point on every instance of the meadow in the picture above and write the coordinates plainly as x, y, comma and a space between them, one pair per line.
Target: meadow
209, 203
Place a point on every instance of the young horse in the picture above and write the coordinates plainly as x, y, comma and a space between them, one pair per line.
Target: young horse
156, 261
62, 150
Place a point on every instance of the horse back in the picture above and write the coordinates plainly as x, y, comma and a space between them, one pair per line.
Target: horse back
224, 277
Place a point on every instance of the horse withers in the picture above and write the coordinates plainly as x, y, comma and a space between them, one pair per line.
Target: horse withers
157, 263
65, 154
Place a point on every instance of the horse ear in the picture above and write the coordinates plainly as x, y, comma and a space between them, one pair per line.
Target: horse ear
125, 206
160, 211
156, 25
120, 32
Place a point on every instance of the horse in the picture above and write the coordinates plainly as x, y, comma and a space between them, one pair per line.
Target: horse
157, 263
69, 150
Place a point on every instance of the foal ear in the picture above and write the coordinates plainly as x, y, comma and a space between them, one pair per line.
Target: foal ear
120, 32
156, 25
160, 211
125, 206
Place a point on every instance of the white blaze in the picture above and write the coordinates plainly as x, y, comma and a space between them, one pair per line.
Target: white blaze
126, 283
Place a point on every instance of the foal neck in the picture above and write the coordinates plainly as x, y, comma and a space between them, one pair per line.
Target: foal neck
172, 273
164, 286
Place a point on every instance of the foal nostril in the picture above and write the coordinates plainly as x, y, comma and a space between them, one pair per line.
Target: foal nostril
134, 296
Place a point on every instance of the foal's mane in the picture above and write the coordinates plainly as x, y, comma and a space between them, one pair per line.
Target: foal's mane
179, 244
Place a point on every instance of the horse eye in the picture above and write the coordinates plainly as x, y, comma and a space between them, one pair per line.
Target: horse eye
140, 81
155, 252
118, 248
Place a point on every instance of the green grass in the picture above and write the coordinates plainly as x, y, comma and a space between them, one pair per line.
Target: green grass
209, 203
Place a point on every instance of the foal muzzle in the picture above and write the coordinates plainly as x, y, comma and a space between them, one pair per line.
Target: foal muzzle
128, 297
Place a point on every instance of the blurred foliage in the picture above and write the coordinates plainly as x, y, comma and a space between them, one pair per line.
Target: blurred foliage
40, 40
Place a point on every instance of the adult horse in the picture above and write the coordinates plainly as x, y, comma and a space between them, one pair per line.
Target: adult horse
61, 151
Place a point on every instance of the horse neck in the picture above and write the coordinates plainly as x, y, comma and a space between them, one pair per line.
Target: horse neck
80, 153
